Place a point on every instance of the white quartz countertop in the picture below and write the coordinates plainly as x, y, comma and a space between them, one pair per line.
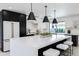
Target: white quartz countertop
33, 42
37, 41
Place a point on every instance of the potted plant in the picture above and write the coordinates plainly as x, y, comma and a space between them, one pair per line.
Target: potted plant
45, 34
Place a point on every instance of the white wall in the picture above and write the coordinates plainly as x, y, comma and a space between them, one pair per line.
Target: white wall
42, 27
70, 22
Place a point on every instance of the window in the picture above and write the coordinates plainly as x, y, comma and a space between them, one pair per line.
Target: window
58, 28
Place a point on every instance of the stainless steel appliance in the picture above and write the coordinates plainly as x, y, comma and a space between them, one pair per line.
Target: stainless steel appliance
10, 30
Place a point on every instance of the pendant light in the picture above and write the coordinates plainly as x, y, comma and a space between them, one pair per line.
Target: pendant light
45, 17
54, 20
31, 15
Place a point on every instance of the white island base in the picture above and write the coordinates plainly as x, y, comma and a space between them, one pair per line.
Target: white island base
28, 46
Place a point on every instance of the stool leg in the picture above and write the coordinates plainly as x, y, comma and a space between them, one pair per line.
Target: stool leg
69, 50
72, 50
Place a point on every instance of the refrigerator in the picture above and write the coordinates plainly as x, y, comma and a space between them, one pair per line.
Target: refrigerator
10, 30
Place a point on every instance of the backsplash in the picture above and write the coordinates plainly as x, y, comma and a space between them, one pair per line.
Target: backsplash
32, 27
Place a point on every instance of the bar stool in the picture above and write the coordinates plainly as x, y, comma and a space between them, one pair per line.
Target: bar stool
70, 45
51, 52
63, 47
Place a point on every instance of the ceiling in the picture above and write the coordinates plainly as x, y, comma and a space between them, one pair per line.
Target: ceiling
62, 9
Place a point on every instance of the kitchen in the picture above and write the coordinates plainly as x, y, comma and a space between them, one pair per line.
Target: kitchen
32, 33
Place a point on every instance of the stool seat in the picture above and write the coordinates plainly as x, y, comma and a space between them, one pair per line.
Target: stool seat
68, 42
51, 52
62, 46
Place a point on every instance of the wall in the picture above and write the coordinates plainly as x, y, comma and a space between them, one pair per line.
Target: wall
37, 25
71, 22
32, 25
43, 27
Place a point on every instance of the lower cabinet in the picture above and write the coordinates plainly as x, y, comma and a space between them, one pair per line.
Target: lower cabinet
75, 40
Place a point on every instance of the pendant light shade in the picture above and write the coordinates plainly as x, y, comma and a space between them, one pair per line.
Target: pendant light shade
31, 15
54, 20
45, 17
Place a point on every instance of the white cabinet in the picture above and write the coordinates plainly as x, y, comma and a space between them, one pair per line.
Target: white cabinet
10, 30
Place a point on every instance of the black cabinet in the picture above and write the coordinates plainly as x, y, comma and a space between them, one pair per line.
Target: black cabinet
75, 40
7, 15
16, 17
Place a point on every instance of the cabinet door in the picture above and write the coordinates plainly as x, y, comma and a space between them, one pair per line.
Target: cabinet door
16, 29
75, 40
6, 44
7, 30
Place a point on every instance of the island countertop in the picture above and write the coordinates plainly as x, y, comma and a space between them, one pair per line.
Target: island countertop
28, 46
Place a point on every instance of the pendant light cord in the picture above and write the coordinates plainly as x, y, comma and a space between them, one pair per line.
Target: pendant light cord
45, 10
31, 7
54, 13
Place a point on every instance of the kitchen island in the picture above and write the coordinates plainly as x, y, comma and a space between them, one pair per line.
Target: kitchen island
29, 46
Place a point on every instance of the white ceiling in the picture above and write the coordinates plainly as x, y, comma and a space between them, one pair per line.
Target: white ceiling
62, 9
